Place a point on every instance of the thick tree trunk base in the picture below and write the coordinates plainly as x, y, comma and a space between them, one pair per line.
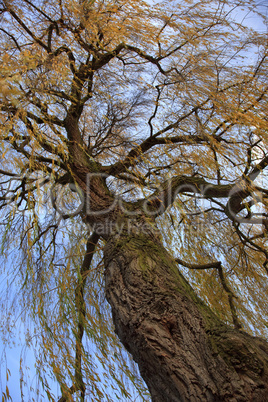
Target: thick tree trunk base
183, 351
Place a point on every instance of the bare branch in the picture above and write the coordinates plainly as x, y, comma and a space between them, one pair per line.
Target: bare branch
230, 294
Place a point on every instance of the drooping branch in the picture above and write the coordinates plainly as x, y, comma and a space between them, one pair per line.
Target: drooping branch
80, 305
217, 265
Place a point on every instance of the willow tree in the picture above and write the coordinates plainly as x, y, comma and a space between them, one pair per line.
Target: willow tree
133, 157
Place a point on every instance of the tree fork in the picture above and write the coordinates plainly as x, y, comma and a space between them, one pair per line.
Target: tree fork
184, 352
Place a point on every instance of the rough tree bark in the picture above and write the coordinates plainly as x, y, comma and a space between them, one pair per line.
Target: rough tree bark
184, 352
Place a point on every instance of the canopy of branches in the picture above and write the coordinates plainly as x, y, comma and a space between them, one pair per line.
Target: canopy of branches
167, 104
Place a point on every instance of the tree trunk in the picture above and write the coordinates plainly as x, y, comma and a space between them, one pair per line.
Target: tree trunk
184, 352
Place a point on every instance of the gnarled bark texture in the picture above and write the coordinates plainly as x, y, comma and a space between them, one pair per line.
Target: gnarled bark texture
183, 351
